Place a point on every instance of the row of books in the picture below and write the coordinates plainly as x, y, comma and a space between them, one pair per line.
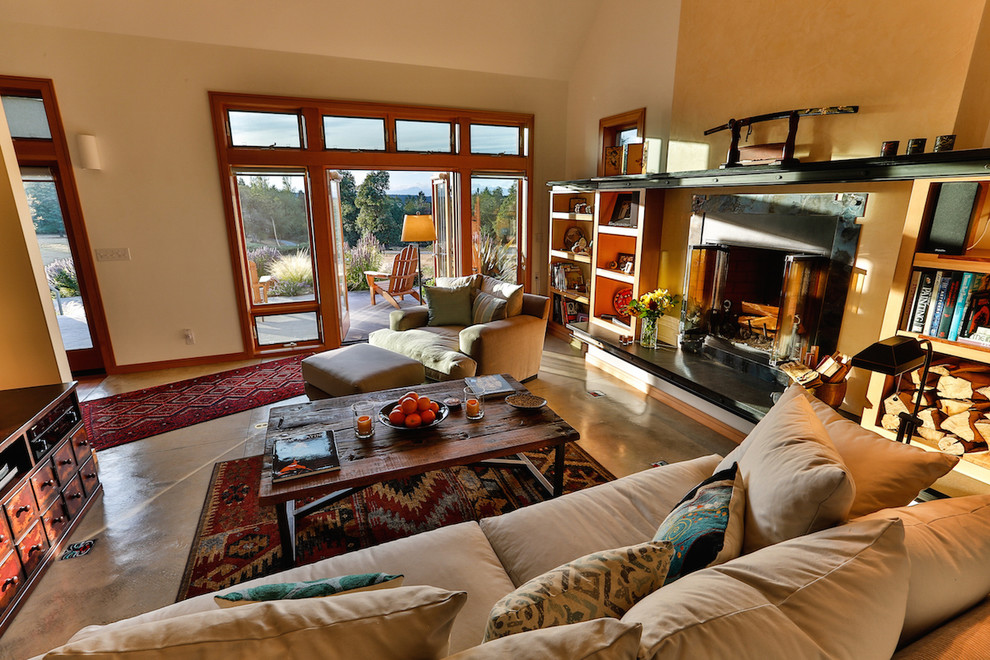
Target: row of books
564, 276
568, 311
948, 304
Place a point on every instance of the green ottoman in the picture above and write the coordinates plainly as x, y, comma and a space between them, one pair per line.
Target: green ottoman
357, 369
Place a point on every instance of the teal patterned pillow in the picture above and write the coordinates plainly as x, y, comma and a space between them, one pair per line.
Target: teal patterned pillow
706, 527
488, 308
311, 589
599, 585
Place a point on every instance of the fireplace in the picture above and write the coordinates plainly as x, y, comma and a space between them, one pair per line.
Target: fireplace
767, 277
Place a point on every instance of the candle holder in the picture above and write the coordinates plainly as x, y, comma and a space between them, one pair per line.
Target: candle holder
474, 403
363, 415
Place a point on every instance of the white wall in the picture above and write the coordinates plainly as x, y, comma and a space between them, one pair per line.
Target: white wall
159, 191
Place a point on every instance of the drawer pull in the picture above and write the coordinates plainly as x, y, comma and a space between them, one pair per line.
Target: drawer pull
9, 582
75, 496
20, 510
34, 548
58, 520
82, 443
90, 475
65, 461
48, 484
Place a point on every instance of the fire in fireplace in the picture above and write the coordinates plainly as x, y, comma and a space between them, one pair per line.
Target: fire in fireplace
768, 275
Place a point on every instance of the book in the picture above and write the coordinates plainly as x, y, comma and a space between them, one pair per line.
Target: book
978, 315
304, 455
926, 328
962, 301
492, 384
925, 287
948, 306
909, 300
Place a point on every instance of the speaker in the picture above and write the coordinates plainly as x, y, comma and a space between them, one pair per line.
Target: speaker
951, 218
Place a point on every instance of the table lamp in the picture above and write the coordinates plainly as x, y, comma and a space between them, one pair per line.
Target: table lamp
895, 356
418, 229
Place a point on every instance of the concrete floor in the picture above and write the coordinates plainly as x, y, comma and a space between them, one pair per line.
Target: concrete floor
154, 490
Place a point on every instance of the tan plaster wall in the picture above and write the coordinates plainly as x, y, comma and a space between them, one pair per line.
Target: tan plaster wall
159, 192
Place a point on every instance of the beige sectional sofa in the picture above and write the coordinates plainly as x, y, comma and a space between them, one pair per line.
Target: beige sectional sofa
512, 345
903, 582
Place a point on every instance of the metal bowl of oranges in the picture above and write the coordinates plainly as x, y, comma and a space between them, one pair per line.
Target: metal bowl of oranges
413, 411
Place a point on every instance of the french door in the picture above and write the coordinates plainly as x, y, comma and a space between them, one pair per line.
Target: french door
446, 219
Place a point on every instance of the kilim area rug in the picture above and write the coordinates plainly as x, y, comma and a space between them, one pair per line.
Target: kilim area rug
237, 539
123, 418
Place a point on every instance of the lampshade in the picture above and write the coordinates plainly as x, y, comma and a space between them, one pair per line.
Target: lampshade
418, 228
892, 356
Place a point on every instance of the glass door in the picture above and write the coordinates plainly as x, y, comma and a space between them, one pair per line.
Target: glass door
446, 252
339, 252
496, 222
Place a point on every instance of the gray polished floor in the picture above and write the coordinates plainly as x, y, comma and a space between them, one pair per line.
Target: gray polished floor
154, 490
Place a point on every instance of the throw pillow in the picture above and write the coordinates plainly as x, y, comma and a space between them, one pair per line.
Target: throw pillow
343, 584
511, 293
795, 480
838, 593
602, 584
887, 474
487, 308
706, 527
948, 542
599, 639
448, 306
408, 622
472, 281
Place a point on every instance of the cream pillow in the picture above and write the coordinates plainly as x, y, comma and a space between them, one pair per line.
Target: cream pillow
795, 481
511, 293
602, 584
948, 542
408, 622
599, 639
886, 473
837, 594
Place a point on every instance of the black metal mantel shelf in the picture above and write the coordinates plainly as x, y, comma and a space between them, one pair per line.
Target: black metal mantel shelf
970, 162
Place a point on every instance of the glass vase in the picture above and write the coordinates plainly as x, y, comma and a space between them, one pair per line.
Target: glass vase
648, 334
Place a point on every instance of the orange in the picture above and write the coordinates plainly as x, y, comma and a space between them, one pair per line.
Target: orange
413, 420
435, 407
423, 403
428, 416
408, 405
396, 417
410, 395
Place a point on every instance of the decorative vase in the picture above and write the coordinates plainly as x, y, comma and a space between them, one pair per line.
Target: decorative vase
648, 335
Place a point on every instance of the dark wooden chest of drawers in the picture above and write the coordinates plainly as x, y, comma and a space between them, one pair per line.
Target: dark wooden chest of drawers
48, 479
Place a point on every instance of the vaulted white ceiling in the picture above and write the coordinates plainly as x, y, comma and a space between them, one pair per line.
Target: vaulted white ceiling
538, 38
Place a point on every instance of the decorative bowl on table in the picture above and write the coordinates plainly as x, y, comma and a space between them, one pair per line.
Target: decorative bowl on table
383, 416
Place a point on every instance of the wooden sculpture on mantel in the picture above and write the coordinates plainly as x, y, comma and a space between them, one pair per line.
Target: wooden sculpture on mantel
773, 153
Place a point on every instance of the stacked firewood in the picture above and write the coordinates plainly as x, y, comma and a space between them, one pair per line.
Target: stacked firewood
955, 405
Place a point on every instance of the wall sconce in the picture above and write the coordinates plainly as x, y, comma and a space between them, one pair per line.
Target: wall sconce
89, 153
895, 356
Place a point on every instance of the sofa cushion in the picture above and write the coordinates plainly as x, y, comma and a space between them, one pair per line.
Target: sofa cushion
511, 293
795, 481
599, 639
602, 584
536, 538
886, 474
425, 559
409, 622
472, 281
333, 586
487, 308
706, 527
948, 542
838, 593
435, 348
448, 305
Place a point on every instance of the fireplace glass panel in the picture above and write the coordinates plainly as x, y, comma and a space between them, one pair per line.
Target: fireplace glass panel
802, 296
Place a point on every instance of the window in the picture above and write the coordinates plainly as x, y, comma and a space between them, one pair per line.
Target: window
26, 117
354, 133
429, 136
265, 129
495, 139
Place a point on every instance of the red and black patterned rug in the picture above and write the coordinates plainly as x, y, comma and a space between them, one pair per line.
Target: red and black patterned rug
237, 539
123, 418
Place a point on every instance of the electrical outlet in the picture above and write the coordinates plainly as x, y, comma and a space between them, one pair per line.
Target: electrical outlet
113, 254
188, 334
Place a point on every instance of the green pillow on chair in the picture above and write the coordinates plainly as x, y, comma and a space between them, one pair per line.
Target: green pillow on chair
449, 305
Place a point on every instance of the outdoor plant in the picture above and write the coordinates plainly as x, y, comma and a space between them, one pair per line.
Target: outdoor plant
366, 255
496, 259
293, 274
264, 257
61, 275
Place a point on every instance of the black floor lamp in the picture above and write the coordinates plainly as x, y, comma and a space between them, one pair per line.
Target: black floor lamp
895, 356
418, 229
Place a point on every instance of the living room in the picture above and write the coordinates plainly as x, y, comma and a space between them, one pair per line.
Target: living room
138, 80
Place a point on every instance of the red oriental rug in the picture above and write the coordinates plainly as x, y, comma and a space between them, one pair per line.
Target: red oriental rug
123, 418
237, 539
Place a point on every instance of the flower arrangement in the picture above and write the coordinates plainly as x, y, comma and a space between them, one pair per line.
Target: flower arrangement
654, 304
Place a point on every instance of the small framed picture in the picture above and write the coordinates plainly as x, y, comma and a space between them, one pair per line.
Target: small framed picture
577, 205
625, 262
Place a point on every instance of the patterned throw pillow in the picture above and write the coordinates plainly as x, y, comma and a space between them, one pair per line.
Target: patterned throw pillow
706, 527
488, 308
311, 589
512, 294
448, 306
602, 584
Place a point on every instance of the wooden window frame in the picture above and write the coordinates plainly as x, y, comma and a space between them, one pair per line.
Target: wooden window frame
317, 160
610, 127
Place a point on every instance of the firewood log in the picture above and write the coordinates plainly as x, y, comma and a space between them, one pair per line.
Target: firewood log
890, 422
955, 406
983, 427
931, 418
982, 393
900, 402
962, 367
931, 382
963, 385
931, 435
950, 445
756, 309
964, 425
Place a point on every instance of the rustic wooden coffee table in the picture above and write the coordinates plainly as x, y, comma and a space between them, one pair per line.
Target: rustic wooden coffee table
391, 454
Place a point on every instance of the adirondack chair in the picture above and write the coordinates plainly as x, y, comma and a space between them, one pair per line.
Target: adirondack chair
400, 282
